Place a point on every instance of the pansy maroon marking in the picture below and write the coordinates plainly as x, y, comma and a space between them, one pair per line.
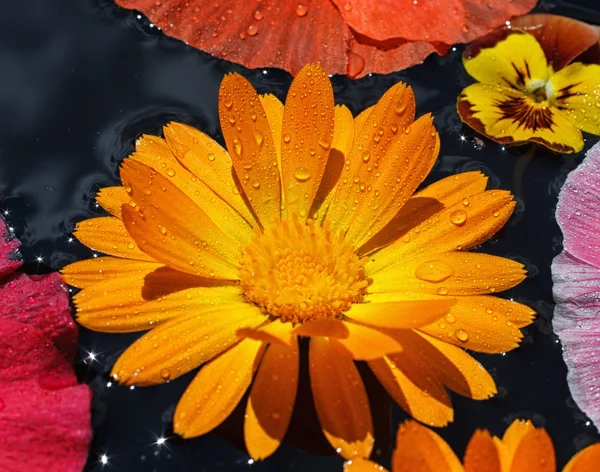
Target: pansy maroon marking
529, 90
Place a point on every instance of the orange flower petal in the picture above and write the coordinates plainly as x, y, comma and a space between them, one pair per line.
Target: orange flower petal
156, 154
450, 273
514, 434
208, 161
418, 449
561, 38
585, 460
274, 111
184, 343
250, 142
392, 114
136, 298
426, 203
212, 395
84, 273
535, 453
109, 235
363, 465
112, 199
414, 385
402, 315
481, 454
462, 226
271, 400
456, 369
308, 122
186, 239
274, 332
340, 399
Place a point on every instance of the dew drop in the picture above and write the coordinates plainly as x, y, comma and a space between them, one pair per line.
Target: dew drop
228, 103
301, 10
400, 107
255, 184
442, 291
462, 335
258, 15
211, 157
434, 271
465, 202
253, 116
407, 130
450, 318
301, 174
171, 172
258, 137
165, 374
347, 6
287, 137
237, 147
252, 30
458, 217
325, 144
366, 156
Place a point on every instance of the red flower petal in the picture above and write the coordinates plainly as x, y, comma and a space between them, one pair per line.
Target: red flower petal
10, 259
41, 302
446, 21
288, 34
563, 39
44, 413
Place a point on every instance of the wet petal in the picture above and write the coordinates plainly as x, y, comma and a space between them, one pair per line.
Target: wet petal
340, 399
271, 400
186, 239
576, 88
274, 111
10, 259
535, 453
460, 227
585, 460
184, 343
212, 395
308, 123
208, 161
108, 234
250, 142
147, 295
112, 200
514, 434
84, 273
481, 454
511, 117
274, 332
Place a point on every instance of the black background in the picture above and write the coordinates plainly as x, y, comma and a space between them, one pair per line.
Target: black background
81, 79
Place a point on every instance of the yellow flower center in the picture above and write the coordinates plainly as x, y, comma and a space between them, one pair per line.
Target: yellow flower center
302, 272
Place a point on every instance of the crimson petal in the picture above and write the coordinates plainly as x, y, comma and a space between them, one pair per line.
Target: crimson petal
10, 259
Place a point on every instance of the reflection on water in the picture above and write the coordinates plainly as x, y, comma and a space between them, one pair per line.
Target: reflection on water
82, 79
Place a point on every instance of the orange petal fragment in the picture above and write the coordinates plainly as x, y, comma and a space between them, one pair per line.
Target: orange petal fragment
274, 111
340, 399
481, 454
271, 400
308, 123
535, 453
400, 315
84, 273
250, 142
112, 199
212, 395
186, 239
184, 343
585, 460
274, 332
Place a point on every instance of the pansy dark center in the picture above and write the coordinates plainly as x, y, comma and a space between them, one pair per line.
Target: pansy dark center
302, 272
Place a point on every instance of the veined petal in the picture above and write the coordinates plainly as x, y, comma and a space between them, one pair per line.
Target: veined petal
145, 296
481, 454
585, 460
156, 153
514, 434
363, 116
405, 164
576, 90
459, 227
250, 141
510, 117
113, 198
108, 234
341, 146
392, 115
517, 61
340, 399
308, 123
363, 465
403, 314
209, 162
450, 273
84, 273
274, 111
185, 239
271, 400
213, 394
418, 449
274, 332
184, 343
414, 385
535, 453
426, 203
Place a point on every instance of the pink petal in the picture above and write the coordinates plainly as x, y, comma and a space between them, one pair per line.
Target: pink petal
44, 413
578, 207
41, 302
10, 259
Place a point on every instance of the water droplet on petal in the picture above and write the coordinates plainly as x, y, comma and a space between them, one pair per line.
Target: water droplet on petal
287, 137
256, 184
252, 30
211, 157
171, 172
301, 10
434, 271
442, 291
462, 335
458, 217
237, 147
258, 137
301, 174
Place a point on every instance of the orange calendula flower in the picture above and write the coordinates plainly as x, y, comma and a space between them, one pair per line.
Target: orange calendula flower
523, 448
533, 85
307, 227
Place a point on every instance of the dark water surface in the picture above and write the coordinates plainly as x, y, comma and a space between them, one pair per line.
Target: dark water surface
82, 79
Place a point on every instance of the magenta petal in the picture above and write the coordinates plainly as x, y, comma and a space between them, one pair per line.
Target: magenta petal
41, 302
578, 209
44, 413
10, 259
